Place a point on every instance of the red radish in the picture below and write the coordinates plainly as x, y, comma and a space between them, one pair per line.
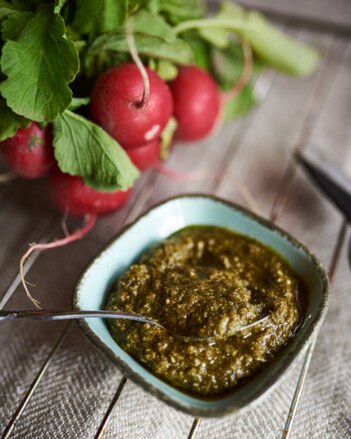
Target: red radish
196, 103
117, 105
71, 194
146, 156
29, 152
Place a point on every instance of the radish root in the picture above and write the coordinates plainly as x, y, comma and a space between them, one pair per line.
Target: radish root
134, 54
64, 222
90, 221
216, 176
245, 74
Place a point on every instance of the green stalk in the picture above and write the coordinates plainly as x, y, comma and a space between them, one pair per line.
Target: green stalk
234, 25
275, 48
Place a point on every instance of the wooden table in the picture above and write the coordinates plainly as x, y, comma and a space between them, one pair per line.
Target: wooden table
41, 361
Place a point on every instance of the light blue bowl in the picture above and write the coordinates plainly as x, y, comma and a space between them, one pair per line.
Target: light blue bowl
157, 224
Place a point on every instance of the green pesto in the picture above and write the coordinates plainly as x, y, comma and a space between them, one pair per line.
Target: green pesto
207, 281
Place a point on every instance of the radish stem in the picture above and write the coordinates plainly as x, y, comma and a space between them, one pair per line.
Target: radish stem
134, 54
90, 221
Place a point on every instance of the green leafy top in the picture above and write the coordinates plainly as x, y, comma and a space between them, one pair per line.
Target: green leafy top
41, 60
97, 16
52, 51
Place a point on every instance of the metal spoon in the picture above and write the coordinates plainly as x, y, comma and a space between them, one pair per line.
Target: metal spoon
68, 315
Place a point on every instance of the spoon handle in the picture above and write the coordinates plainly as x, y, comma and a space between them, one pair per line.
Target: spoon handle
46, 314
68, 315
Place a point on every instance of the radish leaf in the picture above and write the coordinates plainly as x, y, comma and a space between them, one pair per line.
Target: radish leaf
14, 24
151, 24
85, 149
6, 8
59, 4
99, 16
178, 51
10, 121
200, 48
78, 102
102, 187
42, 61
180, 10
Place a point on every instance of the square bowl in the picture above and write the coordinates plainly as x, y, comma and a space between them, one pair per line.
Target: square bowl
157, 224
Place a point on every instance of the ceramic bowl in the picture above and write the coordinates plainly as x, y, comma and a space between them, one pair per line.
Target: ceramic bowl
158, 223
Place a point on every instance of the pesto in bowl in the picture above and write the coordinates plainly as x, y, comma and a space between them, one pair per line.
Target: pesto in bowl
207, 281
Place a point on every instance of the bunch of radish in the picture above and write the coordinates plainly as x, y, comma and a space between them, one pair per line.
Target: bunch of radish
119, 105
149, 71
143, 65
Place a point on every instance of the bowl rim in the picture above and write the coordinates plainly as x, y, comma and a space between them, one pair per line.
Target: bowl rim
311, 331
